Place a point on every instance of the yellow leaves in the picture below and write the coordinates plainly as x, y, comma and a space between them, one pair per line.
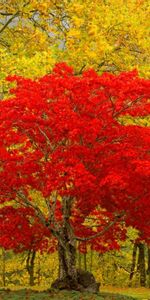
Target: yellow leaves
74, 33
132, 234
128, 120
42, 6
114, 28
77, 21
8, 203
92, 55
35, 66
77, 8
39, 201
45, 269
80, 32
93, 30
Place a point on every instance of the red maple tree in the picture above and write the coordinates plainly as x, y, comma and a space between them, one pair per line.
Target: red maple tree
61, 135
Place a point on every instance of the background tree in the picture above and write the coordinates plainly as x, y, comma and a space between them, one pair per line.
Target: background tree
107, 35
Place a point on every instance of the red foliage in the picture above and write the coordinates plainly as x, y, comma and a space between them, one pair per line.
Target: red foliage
61, 133
20, 230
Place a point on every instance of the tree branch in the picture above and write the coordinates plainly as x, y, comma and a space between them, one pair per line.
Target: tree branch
104, 230
35, 207
46, 137
9, 21
41, 216
51, 210
127, 106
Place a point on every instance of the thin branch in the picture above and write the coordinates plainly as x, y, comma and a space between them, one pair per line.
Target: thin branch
81, 70
5, 14
103, 231
36, 24
51, 210
125, 269
9, 21
127, 106
101, 64
45, 135
35, 207
94, 226
91, 218
41, 216
4, 43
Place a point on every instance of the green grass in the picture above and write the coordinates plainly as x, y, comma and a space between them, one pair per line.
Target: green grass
106, 294
137, 293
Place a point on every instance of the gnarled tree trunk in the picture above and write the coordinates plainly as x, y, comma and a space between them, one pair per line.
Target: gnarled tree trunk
67, 265
67, 248
69, 276
67, 251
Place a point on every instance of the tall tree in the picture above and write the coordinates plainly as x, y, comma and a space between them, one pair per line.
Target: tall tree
61, 136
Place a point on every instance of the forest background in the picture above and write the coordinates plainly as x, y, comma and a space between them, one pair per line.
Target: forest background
109, 36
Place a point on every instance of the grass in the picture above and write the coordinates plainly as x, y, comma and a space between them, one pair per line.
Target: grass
108, 293
137, 293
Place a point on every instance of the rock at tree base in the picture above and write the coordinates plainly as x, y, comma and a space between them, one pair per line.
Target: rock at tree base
86, 282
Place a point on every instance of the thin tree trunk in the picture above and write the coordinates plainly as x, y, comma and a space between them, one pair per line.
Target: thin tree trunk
30, 266
39, 272
148, 266
141, 264
134, 253
4, 267
85, 261
85, 256
91, 260
79, 258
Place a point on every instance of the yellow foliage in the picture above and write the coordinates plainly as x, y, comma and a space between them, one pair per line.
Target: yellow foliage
110, 35
35, 66
45, 269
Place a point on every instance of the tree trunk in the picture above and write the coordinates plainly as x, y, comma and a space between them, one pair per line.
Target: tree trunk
79, 258
4, 267
39, 272
141, 264
85, 257
67, 248
85, 261
91, 260
133, 262
70, 277
148, 266
30, 266
67, 264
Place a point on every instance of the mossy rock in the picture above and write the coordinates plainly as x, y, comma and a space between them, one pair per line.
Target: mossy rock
86, 282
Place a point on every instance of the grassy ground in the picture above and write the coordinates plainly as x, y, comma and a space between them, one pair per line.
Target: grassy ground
106, 294
137, 293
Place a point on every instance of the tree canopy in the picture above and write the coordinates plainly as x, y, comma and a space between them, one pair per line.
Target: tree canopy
61, 136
